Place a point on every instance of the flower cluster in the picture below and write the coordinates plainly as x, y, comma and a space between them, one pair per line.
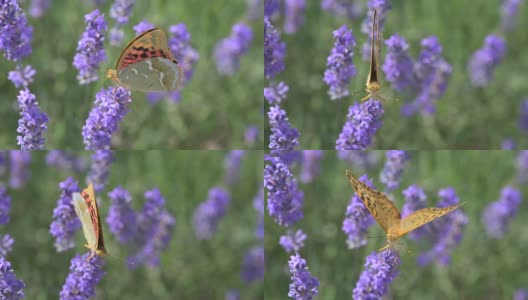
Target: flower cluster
32, 123
5, 205
357, 219
120, 11
121, 219
15, 33
274, 50
341, 8
293, 15
22, 76
84, 275
232, 166
339, 65
363, 121
65, 222
293, 241
310, 165
65, 160
98, 174
258, 205
19, 170
11, 287
380, 270
483, 62
497, 215
253, 264
6, 245
393, 169
38, 8
304, 285
509, 10
210, 212
283, 136
228, 51
276, 92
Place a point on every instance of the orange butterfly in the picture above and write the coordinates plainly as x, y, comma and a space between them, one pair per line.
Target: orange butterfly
88, 213
388, 216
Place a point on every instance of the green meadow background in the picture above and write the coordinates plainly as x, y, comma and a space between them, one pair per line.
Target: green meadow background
189, 269
481, 268
466, 117
214, 111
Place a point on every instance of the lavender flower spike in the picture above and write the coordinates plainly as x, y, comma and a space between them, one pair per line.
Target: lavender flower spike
232, 166
310, 165
304, 285
498, 214
253, 265
229, 50
65, 222
209, 213
90, 50
339, 65
10, 287
15, 33
393, 169
293, 15
103, 120
5, 205
274, 50
84, 275
121, 10
293, 241
6, 245
363, 121
122, 219
357, 220
509, 10
276, 92
398, 64
483, 62
19, 161
98, 174
22, 76
380, 270
32, 123
283, 136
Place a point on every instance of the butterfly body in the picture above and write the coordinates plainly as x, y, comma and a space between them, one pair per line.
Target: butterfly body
147, 64
373, 84
87, 211
388, 216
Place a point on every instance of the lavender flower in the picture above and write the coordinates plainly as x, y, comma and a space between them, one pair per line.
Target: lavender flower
65, 221
232, 166
523, 119
258, 205
254, 9
380, 270
521, 294
15, 33
497, 215
6, 245
11, 287
232, 295
361, 160
283, 136
415, 199
228, 51
65, 160
90, 50
285, 201
98, 174
483, 62
253, 265
293, 15
357, 219
304, 285
38, 8
22, 76
381, 6
363, 121
251, 135
509, 9
522, 167
110, 108
32, 123
293, 241
398, 64
121, 10
508, 144
274, 50
342, 8
289, 157
19, 168
339, 65
271, 7
121, 219
5, 205
276, 92
84, 275
143, 26
310, 165
210, 212
116, 36
393, 169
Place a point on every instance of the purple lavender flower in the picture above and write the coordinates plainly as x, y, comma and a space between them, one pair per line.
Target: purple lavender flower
143, 26
11, 287
509, 10
310, 165
228, 51
393, 169
304, 285
6, 245
32, 123
521, 294
380, 270
110, 108
116, 36
276, 92
84, 275
415, 199
65, 222
289, 157
98, 174
357, 219
508, 144
283, 136
254, 9
497, 215
274, 50
65, 160
15, 33
22, 76
251, 135
210, 212
90, 50
339, 65
293, 15
271, 7
253, 265
5, 205
381, 6
285, 201
360, 160
363, 121
121, 219
293, 241
398, 64
232, 166
19, 161
121, 10
483, 62
258, 205
232, 295
522, 167
3, 162
523, 119
343, 8
38, 8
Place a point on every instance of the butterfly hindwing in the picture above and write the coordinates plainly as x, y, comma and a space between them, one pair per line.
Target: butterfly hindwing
84, 216
422, 217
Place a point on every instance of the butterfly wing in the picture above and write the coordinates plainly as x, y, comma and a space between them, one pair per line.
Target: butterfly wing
422, 217
89, 196
149, 44
374, 52
83, 213
381, 208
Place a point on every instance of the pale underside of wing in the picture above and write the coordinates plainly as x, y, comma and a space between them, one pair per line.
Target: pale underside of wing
84, 216
422, 217
381, 207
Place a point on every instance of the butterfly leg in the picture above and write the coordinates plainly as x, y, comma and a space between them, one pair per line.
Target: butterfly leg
385, 247
366, 97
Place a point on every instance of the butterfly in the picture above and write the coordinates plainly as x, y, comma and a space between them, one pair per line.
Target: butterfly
88, 213
373, 83
388, 216
147, 64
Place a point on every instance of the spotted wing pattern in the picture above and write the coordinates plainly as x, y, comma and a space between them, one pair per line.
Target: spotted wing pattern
381, 207
422, 217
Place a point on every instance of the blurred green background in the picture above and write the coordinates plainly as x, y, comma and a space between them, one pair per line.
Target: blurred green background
189, 269
481, 268
466, 117
214, 111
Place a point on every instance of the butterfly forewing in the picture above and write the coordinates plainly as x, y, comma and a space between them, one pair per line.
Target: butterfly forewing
89, 196
84, 216
422, 217
143, 46
374, 53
